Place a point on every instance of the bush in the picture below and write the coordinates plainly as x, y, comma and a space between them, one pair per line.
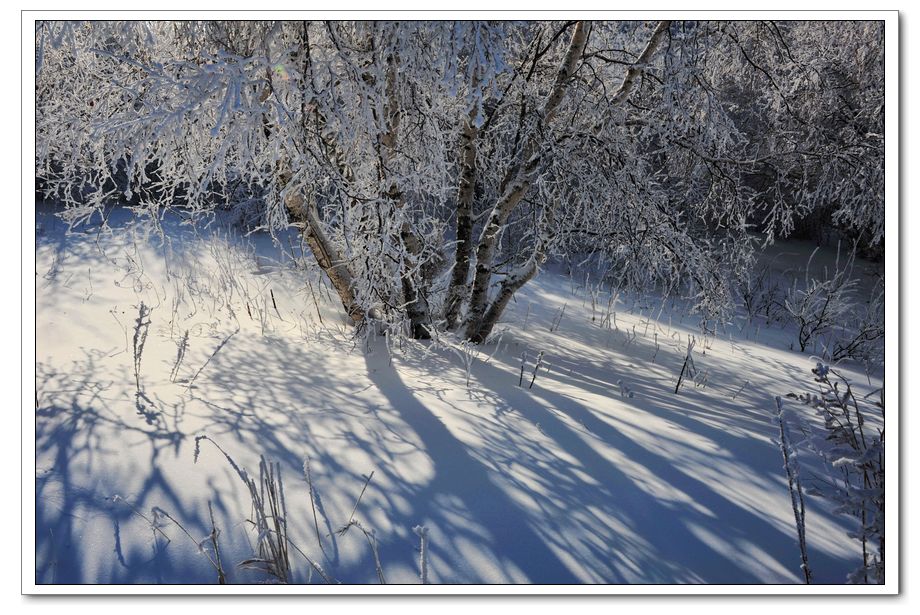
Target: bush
852, 443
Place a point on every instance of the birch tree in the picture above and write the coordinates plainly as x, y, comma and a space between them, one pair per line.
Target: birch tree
434, 167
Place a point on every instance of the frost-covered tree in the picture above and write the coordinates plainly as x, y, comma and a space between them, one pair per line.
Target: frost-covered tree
433, 167
820, 159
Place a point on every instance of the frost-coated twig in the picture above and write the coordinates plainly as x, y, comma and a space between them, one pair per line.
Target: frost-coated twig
159, 512
123, 328
557, 320
738, 392
274, 303
221, 577
523, 363
89, 293
316, 567
244, 476
688, 362
422, 532
702, 379
319, 313
154, 525
309, 476
213, 354
372, 541
795, 487
467, 353
630, 337
535, 368
371, 536
625, 391
141, 327
182, 346
498, 345
351, 517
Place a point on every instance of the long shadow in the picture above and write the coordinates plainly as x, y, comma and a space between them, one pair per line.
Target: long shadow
525, 485
680, 537
621, 529
457, 474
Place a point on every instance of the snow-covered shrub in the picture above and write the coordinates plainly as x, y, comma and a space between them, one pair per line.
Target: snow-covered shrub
821, 304
864, 336
761, 296
852, 443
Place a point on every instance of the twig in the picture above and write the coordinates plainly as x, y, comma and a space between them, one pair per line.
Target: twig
535, 368
422, 533
221, 578
216, 350
309, 476
351, 517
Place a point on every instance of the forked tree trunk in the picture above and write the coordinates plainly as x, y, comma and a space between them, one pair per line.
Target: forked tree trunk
528, 162
508, 287
482, 319
517, 277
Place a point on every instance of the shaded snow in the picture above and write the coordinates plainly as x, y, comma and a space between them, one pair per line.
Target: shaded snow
565, 482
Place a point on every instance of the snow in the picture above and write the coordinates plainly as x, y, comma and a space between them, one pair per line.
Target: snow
598, 473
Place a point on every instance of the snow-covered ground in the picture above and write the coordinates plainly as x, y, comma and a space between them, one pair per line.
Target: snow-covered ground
597, 473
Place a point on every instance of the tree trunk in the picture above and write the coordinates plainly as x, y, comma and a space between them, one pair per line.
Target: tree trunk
416, 301
411, 274
528, 162
302, 209
326, 254
518, 277
458, 289
481, 320
509, 286
629, 81
485, 252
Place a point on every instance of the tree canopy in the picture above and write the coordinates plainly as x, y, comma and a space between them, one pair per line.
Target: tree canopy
433, 167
